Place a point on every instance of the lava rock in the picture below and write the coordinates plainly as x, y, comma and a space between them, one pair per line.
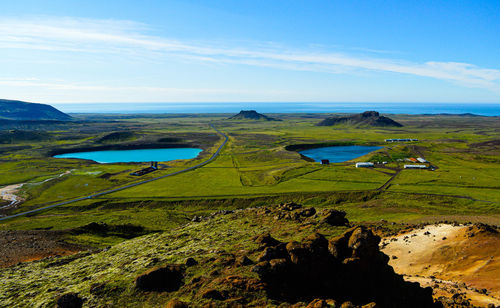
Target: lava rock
175, 303
212, 294
243, 261
69, 300
166, 278
266, 240
334, 217
191, 262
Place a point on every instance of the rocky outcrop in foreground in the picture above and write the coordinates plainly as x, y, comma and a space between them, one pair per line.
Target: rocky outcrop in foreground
226, 259
347, 268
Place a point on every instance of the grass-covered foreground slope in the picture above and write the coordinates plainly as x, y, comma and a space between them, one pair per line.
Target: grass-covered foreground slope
234, 263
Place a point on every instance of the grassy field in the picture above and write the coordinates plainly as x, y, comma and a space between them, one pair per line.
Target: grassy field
254, 169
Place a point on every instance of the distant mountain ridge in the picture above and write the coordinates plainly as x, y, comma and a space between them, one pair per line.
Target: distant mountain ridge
252, 115
24, 111
367, 118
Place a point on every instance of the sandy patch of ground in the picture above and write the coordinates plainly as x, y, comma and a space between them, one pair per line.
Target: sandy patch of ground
453, 259
8, 193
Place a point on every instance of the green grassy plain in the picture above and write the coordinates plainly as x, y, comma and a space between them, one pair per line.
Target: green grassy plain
255, 169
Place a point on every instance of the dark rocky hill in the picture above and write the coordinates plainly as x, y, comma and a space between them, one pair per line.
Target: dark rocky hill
18, 110
252, 115
367, 118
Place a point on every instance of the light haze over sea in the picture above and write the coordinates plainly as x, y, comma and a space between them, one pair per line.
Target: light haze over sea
295, 107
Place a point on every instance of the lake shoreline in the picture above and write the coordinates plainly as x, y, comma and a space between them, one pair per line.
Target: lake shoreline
135, 155
119, 147
337, 153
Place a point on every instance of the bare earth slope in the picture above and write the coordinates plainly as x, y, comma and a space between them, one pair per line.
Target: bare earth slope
454, 258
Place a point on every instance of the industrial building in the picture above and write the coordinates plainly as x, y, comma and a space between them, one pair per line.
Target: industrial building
364, 165
153, 167
401, 140
416, 167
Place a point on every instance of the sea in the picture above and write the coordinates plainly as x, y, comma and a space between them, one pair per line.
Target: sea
484, 109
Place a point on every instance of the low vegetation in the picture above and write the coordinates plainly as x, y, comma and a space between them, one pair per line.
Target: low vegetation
125, 234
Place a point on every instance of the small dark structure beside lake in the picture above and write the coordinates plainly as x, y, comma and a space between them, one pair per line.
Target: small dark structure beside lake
153, 167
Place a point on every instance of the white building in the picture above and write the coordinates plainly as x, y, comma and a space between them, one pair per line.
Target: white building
401, 140
422, 160
364, 165
416, 167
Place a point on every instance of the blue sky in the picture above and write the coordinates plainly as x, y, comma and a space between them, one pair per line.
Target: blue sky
245, 51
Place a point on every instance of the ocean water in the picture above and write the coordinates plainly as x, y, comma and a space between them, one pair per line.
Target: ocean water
143, 155
282, 107
338, 154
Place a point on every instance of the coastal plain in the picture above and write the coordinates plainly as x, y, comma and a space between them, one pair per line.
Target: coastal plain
258, 166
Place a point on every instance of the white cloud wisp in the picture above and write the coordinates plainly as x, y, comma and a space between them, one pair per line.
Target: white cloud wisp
109, 36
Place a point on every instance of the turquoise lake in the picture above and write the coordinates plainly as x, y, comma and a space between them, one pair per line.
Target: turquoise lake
127, 156
338, 154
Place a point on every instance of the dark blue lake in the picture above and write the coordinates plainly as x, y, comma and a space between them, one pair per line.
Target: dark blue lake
143, 155
338, 154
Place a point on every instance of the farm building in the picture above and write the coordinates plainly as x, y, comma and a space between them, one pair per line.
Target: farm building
401, 140
153, 167
325, 162
422, 160
416, 167
364, 165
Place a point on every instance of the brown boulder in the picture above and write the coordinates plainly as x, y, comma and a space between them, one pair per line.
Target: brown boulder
276, 252
318, 303
175, 303
334, 217
248, 284
212, 294
307, 212
191, 262
69, 300
166, 278
289, 206
243, 261
270, 268
338, 246
363, 243
266, 240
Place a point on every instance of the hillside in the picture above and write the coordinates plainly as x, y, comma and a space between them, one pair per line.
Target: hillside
18, 110
367, 118
259, 257
252, 115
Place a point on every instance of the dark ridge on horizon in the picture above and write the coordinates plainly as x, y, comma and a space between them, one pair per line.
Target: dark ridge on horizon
24, 111
367, 118
252, 115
